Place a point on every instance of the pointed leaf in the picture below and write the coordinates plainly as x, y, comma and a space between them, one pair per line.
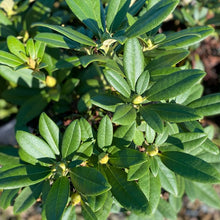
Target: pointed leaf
88, 181
88, 59
87, 212
84, 151
35, 146
57, 198
69, 213
89, 13
127, 157
71, 139
190, 167
10, 59
137, 171
30, 49
69, 33
86, 130
50, 132
133, 61
27, 197
174, 84
152, 18
142, 82
116, 80
207, 105
105, 133
97, 202
7, 197
166, 210
23, 175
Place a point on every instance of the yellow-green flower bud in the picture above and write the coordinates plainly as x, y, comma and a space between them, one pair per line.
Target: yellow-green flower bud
138, 100
51, 81
75, 198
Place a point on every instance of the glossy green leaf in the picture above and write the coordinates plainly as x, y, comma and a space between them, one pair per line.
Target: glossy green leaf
210, 147
150, 134
86, 129
172, 112
23, 175
186, 37
167, 179
152, 18
88, 181
10, 59
154, 167
57, 198
97, 202
9, 156
174, 84
35, 146
166, 210
50, 132
16, 47
30, 49
88, 59
151, 187
133, 61
105, 133
7, 197
207, 105
87, 212
124, 114
71, 139
184, 141
69, 213
69, 33
107, 102
128, 194
27, 197
175, 202
116, 80
127, 157
31, 108
203, 192
142, 82
138, 137
39, 49
56, 40
116, 13
190, 167
152, 118
137, 171
89, 13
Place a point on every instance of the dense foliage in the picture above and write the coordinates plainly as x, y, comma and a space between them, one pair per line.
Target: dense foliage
131, 103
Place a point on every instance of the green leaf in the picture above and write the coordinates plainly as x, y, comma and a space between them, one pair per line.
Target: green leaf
69, 213
16, 47
152, 18
183, 141
39, 49
89, 13
190, 167
128, 194
166, 210
9, 156
22, 77
86, 130
97, 202
71, 139
172, 112
207, 105
84, 151
138, 137
30, 49
35, 146
88, 181
203, 192
10, 59
154, 167
107, 102
88, 59
124, 114
50, 132
56, 40
137, 171
57, 198
7, 197
150, 134
87, 212
105, 133
127, 157
152, 118
151, 187
142, 82
69, 33
23, 175
186, 37
31, 109
27, 197
174, 84
133, 61
117, 10
167, 179
116, 80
